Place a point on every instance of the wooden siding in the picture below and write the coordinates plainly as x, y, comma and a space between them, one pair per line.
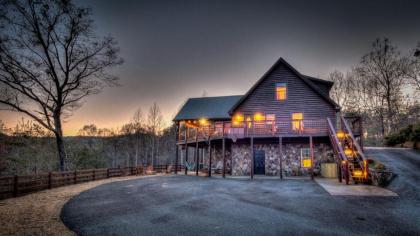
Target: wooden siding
323, 87
300, 98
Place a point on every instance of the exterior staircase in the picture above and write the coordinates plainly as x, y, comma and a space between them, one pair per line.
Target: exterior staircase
353, 165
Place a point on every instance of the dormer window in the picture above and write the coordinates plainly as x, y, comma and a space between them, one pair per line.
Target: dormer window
281, 91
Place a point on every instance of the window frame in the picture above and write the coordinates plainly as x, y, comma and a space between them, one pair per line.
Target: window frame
300, 128
302, 157
277, 85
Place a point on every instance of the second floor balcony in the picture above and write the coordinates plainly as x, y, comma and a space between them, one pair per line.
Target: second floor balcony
198, 130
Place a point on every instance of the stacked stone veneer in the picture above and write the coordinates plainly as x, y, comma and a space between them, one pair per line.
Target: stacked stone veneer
291, 159
217, 159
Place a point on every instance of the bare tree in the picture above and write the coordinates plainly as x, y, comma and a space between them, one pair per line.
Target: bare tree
385, 70
50, 60
88, 130
138, 128
414, 72
155, 124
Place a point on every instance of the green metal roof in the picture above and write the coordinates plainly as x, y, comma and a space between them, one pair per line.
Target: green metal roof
207, 107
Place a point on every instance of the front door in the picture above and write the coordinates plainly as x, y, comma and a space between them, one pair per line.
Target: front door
259, 162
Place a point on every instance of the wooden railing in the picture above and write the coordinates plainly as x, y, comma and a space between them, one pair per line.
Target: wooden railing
255, 129
359, 152
339, 152
12, 186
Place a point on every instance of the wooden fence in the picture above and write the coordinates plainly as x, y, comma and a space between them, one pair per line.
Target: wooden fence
17, 185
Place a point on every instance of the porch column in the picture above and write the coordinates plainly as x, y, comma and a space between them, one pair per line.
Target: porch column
176, 158
311, 145
339, 170
281, 156
196, 152
252, 150
224, 157
186, 148
186, 159
252, 157
176, 147
209, 158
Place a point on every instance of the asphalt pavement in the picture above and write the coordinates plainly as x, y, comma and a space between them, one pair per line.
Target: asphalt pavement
189, 205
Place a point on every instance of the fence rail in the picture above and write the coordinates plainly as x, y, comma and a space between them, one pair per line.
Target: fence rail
17, 185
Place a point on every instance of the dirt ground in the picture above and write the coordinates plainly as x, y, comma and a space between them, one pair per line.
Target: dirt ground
39, 213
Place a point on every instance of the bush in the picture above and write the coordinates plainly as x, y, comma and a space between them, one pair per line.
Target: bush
408, 133
415, 135
394, 139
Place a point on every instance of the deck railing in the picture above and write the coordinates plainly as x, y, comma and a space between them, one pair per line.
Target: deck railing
254, 129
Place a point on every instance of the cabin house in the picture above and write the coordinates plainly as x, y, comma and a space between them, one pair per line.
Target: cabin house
285, 125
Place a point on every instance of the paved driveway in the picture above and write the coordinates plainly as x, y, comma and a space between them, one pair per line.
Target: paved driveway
189, 205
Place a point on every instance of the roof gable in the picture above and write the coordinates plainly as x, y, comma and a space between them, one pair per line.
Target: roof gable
306, 79
207, 107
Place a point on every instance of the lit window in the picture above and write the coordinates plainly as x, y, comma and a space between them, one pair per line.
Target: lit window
305, 158
281, 91
259, 117
237, 119
297, 123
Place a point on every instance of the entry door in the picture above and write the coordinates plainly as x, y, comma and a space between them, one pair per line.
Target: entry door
259, 162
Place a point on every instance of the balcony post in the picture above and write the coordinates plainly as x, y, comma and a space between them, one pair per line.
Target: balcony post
186, 159
281, 156
176, 148
347, 173
196, 152
224, 157
339, 169
252, 150
209, 175
311, 144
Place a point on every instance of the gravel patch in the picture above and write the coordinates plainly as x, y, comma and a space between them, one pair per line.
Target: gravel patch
39, 213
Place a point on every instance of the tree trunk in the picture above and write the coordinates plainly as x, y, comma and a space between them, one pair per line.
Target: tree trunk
60, 143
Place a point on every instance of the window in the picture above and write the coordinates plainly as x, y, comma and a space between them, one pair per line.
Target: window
305, 157
281, 91
259, 117
237, 119
297, 123
270, 118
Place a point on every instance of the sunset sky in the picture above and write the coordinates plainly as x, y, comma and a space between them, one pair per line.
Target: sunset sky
179, 49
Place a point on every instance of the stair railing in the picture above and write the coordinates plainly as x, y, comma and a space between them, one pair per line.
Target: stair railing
338, 150
365, 163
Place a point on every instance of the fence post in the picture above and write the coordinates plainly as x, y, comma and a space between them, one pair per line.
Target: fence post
94, 174
15, 185
107, 172
49, 179
75, 176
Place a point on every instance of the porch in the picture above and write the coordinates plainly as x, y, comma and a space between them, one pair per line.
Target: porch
192, 131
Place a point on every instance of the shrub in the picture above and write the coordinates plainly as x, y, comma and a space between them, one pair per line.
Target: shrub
394, 139
408, 133
415, 134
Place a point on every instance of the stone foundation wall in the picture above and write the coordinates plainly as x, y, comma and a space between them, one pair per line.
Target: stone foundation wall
291, 159
217, 159
241, 158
